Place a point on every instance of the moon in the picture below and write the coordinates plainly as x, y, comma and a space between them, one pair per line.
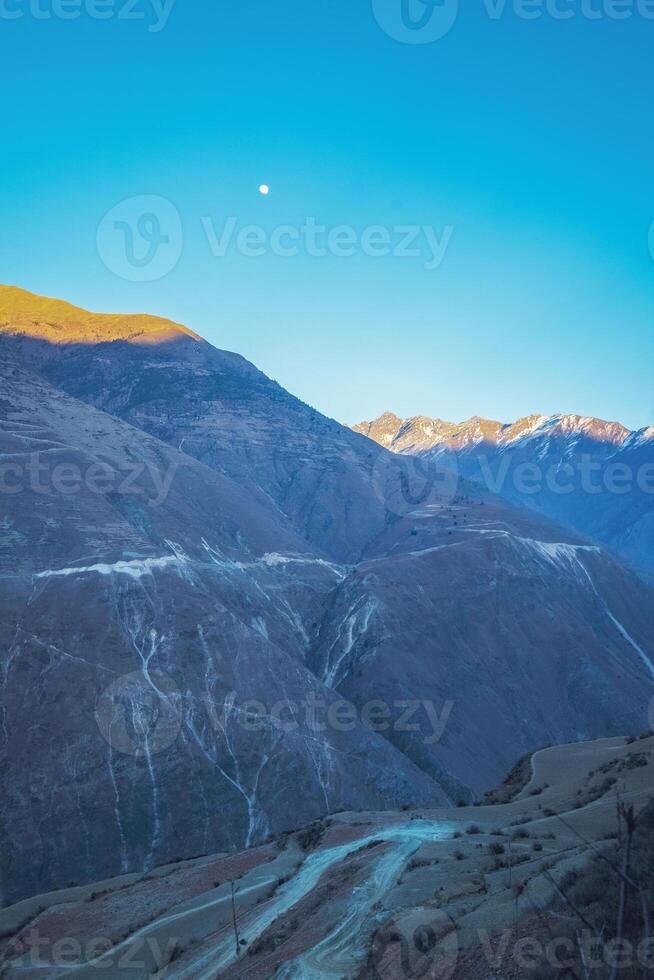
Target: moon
264, 189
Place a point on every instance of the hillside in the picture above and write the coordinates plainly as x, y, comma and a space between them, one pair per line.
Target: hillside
440, 893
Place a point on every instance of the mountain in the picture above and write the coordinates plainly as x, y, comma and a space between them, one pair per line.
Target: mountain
215, 406
421, 433
224, 614
593, 476
135, 633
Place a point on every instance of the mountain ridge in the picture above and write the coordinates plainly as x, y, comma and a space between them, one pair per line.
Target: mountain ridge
44, 318
390, 430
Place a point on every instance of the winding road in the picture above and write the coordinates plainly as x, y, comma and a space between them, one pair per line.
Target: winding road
344, 947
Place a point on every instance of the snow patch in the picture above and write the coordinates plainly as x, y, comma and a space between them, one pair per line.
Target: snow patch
273, 559
259, 626
134, 569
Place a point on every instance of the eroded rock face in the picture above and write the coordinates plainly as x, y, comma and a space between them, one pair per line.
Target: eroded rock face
155, 699
496, 635
181, 623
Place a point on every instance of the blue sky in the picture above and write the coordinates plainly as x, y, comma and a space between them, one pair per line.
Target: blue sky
531, 139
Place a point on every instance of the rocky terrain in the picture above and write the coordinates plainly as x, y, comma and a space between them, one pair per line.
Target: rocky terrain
224, 615
466, 893
595, 477
125, 623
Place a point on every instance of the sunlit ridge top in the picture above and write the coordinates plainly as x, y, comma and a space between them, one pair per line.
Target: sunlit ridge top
28, 314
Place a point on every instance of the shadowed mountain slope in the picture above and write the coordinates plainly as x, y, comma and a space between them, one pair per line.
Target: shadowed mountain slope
216, 407
141, 613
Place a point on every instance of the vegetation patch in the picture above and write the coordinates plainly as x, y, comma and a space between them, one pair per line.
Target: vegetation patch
513, 785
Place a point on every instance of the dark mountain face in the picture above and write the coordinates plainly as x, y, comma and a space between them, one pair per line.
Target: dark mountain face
593, 476
221, 410
197, 570
513, 637
155, 699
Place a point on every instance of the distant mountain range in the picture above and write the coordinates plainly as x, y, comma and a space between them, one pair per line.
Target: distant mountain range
198, 570
596, 477
422, 434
